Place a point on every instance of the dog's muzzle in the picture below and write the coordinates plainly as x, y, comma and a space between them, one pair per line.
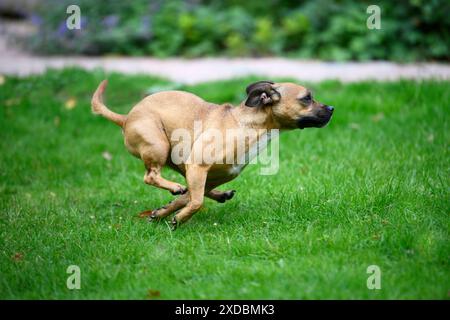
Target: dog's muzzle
319, 120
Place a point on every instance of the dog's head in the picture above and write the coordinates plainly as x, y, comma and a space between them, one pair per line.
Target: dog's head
292, 105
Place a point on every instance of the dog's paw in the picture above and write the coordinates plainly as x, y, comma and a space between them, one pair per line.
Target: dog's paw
230, 194
227, 195
154, 216
174, 224
180, 190
145, 214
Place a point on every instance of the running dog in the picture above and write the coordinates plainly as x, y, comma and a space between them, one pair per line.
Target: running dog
149, 127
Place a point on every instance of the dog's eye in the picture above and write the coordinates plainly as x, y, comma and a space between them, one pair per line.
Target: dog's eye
306, 99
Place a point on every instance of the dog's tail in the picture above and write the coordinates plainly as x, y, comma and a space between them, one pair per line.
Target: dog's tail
99, 108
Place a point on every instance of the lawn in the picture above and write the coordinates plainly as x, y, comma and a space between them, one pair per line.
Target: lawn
372, 188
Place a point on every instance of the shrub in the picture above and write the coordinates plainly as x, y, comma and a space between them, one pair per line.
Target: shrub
412, 30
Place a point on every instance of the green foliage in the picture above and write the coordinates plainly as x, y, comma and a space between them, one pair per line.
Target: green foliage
326, 29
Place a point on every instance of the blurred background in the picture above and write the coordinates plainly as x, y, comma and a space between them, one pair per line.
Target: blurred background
412, 30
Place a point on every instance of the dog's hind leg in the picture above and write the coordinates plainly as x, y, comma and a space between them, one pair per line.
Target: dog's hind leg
153, 177
181, 201
145, 140
155, 156
166, 210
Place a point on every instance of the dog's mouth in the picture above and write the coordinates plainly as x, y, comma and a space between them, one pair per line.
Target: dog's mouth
313, 122
319, 120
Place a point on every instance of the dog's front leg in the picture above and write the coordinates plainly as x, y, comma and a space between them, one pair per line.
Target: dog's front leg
220, 196
196, 179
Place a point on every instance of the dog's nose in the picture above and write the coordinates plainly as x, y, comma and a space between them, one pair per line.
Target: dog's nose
330, 108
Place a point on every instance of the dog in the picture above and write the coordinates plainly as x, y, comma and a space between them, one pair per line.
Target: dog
149, 126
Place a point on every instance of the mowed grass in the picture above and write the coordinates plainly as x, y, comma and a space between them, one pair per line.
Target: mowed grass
371, 188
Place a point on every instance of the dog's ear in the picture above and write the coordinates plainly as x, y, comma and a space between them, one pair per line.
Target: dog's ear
261, 93
251, 86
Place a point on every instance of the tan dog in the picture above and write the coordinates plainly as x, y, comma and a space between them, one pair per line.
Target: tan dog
149, 127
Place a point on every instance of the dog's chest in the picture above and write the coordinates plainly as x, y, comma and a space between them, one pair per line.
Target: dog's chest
254, 148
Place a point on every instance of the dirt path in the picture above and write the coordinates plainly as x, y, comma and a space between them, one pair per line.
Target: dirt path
201, 70
14, 61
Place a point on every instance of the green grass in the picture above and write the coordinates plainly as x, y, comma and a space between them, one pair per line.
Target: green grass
371, 188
